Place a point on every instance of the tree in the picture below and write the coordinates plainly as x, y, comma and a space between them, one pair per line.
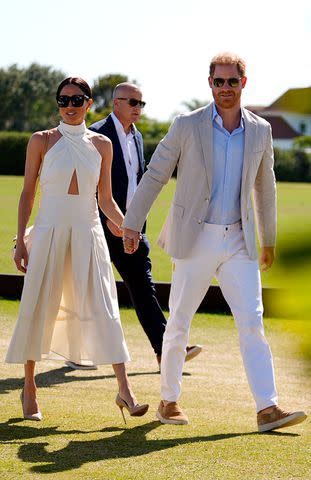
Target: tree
303, 142
194, 104
152, 129
103, 89
27, 97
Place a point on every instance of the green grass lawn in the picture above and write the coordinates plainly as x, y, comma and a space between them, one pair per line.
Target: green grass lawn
83, 436
294, 216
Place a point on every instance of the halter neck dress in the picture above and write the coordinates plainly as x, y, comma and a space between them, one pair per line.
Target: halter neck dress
69, 307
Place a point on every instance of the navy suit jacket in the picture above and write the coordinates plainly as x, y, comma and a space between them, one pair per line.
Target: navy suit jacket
119, 179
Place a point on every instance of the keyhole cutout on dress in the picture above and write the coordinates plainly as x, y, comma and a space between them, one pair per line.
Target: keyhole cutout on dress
73, 187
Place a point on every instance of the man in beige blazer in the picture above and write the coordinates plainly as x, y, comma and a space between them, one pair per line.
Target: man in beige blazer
224, 154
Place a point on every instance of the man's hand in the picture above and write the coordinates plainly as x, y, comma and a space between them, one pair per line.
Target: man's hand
115, 230
266, 258
130, 240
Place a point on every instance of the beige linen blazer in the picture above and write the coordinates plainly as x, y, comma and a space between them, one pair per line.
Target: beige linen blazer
189, 145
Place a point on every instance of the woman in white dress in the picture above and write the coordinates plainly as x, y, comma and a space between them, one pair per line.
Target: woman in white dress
69, 308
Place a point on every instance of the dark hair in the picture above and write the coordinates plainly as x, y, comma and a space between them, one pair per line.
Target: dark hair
79, 82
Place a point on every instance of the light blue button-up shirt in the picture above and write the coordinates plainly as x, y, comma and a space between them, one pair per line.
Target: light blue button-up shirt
228, 152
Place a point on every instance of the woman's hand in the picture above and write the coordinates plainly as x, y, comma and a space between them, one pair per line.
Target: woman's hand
114, 229
21, 257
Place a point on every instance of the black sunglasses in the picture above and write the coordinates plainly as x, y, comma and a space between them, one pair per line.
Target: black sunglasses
76, 100
133, 102
232, 82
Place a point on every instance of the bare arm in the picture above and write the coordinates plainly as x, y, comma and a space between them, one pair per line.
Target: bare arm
106, 201
33, 161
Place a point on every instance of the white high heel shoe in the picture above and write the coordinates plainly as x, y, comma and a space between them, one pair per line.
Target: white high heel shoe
37, 417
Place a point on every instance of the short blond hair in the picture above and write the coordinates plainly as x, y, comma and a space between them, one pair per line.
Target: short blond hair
228, 58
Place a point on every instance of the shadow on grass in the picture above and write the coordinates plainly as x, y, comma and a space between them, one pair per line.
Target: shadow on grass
11, 432
61, 375
126, 443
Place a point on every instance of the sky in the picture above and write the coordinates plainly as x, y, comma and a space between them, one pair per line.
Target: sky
165, 45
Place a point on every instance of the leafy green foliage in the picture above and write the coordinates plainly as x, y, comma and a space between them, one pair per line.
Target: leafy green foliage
194, 104
292, 165
103, 89
27, 97
92, 116
303, 141
152, 129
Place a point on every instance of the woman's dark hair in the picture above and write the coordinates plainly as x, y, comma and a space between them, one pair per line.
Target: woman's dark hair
79, 82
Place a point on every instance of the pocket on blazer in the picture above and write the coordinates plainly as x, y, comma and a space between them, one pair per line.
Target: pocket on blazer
178, 210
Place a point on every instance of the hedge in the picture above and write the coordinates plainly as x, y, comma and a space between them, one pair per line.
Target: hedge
149, 148
12, 152
290, 165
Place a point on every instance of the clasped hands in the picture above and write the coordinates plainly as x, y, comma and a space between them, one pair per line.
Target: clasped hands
131, 240
130, 237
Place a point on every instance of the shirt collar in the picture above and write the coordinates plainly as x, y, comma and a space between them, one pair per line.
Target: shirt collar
217, 118
119, 126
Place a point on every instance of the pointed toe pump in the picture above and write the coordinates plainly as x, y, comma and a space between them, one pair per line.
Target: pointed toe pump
37, 417
135, 411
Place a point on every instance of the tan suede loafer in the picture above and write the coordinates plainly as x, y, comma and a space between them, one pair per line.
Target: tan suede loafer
171, 414
274, 417
192, 351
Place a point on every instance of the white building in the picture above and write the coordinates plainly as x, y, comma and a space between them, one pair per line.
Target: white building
289, 116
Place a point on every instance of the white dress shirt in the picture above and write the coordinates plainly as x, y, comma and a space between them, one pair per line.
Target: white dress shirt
130, 155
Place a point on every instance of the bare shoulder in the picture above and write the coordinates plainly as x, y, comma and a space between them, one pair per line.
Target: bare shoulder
39, 138
101, 142
36, 143
98, 137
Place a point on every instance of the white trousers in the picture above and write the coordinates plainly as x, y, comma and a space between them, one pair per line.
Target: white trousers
219, 251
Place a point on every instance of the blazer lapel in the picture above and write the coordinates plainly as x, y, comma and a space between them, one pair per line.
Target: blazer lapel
249, 141
206, 137
118, 163
139, 150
